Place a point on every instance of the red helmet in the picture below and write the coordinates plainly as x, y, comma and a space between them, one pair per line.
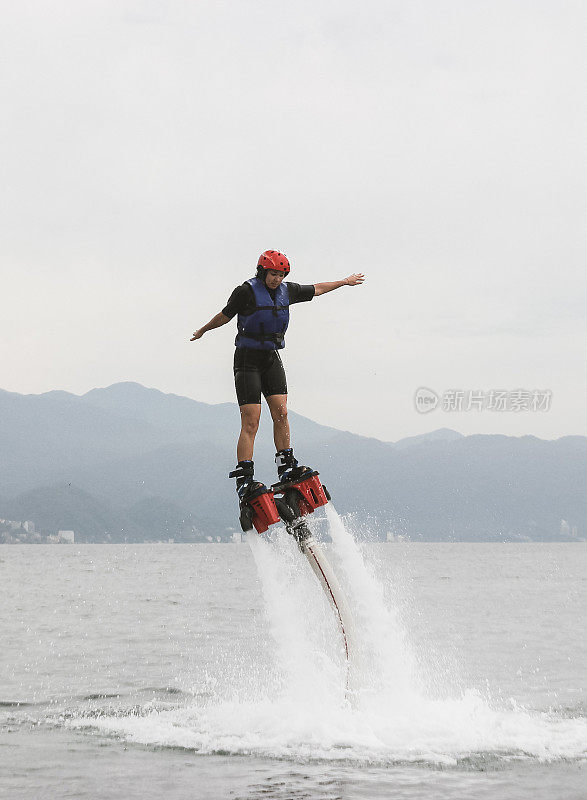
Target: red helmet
273, 259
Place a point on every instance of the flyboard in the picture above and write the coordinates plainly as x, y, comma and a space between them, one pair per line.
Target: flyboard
291, 503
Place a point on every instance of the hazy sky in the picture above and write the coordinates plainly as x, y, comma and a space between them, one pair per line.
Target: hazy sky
151, 150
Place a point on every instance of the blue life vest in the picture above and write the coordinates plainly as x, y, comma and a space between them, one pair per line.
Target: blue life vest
265, 328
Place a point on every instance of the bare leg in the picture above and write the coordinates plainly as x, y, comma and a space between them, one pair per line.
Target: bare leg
278, 406
250, 415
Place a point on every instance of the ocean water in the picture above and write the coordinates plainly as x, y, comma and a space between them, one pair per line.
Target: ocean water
218, 671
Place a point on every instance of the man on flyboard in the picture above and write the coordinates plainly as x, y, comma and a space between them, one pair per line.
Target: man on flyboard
262, 305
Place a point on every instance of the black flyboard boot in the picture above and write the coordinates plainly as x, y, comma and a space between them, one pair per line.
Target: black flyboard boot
256, 501
298, 492
245, 481
289, 472
288, 469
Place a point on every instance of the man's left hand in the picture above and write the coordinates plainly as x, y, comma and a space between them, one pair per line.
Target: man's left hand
355, 279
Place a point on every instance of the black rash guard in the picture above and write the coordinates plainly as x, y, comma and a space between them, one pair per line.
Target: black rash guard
242, 300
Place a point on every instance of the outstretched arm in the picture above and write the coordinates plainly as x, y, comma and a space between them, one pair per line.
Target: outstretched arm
352, 280
215, 322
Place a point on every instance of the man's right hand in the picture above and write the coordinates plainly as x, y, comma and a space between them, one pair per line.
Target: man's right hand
215, 322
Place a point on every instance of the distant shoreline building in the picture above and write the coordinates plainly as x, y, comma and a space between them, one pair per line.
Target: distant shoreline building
18, 532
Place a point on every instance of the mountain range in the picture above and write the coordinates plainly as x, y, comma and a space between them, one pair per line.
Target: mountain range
129, 463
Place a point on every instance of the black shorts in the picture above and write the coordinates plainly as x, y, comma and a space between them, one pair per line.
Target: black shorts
257, 371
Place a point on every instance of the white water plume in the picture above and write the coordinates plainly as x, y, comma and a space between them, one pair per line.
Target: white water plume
383, 660
301, 621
